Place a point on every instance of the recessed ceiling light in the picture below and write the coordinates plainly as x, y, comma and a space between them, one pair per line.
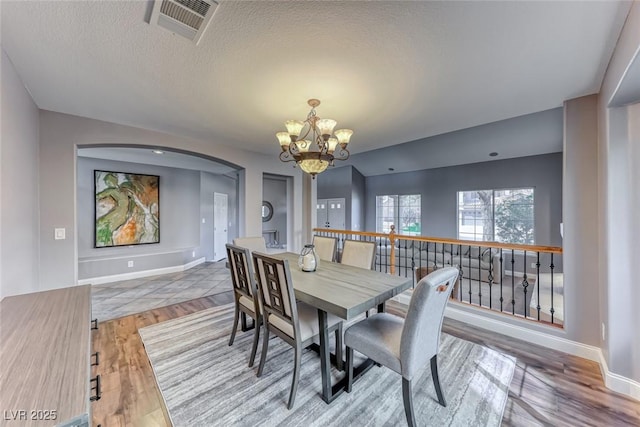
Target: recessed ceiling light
493, 154
157, 151
391, 169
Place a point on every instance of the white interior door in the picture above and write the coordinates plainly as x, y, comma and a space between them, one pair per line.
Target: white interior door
220, 221
336, 214
321, 217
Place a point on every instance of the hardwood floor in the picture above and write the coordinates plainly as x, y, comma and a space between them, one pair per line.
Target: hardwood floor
549, 388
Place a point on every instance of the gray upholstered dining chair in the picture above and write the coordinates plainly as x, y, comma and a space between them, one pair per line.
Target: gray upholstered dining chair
404, 346
296, 323
251, 243
245, 294
358, 253
325, 247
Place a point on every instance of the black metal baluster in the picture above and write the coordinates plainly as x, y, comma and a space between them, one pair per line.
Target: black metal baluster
552, 310
525, 284
513, 283
387, 261
461, 272
413, 261
538, 283
469, 266
479, 276
501, 282
490, 279
405, 260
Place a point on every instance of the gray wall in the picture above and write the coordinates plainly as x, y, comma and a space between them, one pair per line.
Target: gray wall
438, 188
19, 220
580, 211
209, 184
619, 201
179, 219
358, 196
274, 191
336, 183
60, 134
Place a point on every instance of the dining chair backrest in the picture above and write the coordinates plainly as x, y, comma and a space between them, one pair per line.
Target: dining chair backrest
325, 247
276, 293
423, 322
242, 271
358, 253
251, 243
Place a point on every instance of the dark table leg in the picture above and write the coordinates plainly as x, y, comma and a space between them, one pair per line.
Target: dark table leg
381, 308
330, 392
325, 360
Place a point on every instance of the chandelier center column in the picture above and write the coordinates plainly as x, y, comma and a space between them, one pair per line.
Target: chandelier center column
309, 212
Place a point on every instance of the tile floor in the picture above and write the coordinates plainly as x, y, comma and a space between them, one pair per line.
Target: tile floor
118, 299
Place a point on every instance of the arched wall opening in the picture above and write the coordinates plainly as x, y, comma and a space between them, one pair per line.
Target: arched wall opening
181, 226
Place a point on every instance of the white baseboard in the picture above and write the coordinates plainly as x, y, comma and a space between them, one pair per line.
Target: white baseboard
617, 382
138, 274
526, 334
613, 381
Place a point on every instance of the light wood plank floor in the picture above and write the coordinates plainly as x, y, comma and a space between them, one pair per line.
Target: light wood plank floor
549, 388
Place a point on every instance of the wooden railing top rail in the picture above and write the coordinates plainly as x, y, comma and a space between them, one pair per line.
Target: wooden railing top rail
496, 245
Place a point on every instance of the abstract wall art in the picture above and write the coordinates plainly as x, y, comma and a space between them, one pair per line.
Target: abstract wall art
127, 208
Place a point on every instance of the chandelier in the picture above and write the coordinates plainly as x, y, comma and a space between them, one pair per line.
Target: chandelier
318, 146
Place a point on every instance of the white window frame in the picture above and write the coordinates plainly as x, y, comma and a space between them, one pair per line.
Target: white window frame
479, 236
396, 214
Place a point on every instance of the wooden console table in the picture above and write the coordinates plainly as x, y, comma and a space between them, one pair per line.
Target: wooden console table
45, 357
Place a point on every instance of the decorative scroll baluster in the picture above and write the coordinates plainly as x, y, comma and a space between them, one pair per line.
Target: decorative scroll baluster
538, 282
525, 284
552, 310
513, 283
490, 279
413, 260
461, 274
392, 257
469, 259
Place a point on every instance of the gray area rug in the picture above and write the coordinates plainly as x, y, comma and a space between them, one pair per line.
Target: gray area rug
204, 382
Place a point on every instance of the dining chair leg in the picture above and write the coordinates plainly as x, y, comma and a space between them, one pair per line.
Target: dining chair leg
243, 322
265, 347
436, 380
349, 368
339, 360
235, 324
408, 402
296, 376
256, 338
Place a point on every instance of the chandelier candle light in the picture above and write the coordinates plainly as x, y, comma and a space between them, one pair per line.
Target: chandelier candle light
318, 146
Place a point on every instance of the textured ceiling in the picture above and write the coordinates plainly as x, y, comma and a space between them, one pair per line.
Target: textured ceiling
392, 71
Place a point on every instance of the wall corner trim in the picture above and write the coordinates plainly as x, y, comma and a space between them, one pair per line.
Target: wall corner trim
138, 274
612, 381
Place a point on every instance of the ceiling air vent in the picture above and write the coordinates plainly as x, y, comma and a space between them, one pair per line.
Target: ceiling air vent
188, 18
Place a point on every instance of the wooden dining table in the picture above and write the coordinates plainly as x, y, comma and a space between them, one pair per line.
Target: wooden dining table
346, 292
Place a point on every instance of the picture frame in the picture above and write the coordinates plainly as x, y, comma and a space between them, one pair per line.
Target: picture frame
126, 209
